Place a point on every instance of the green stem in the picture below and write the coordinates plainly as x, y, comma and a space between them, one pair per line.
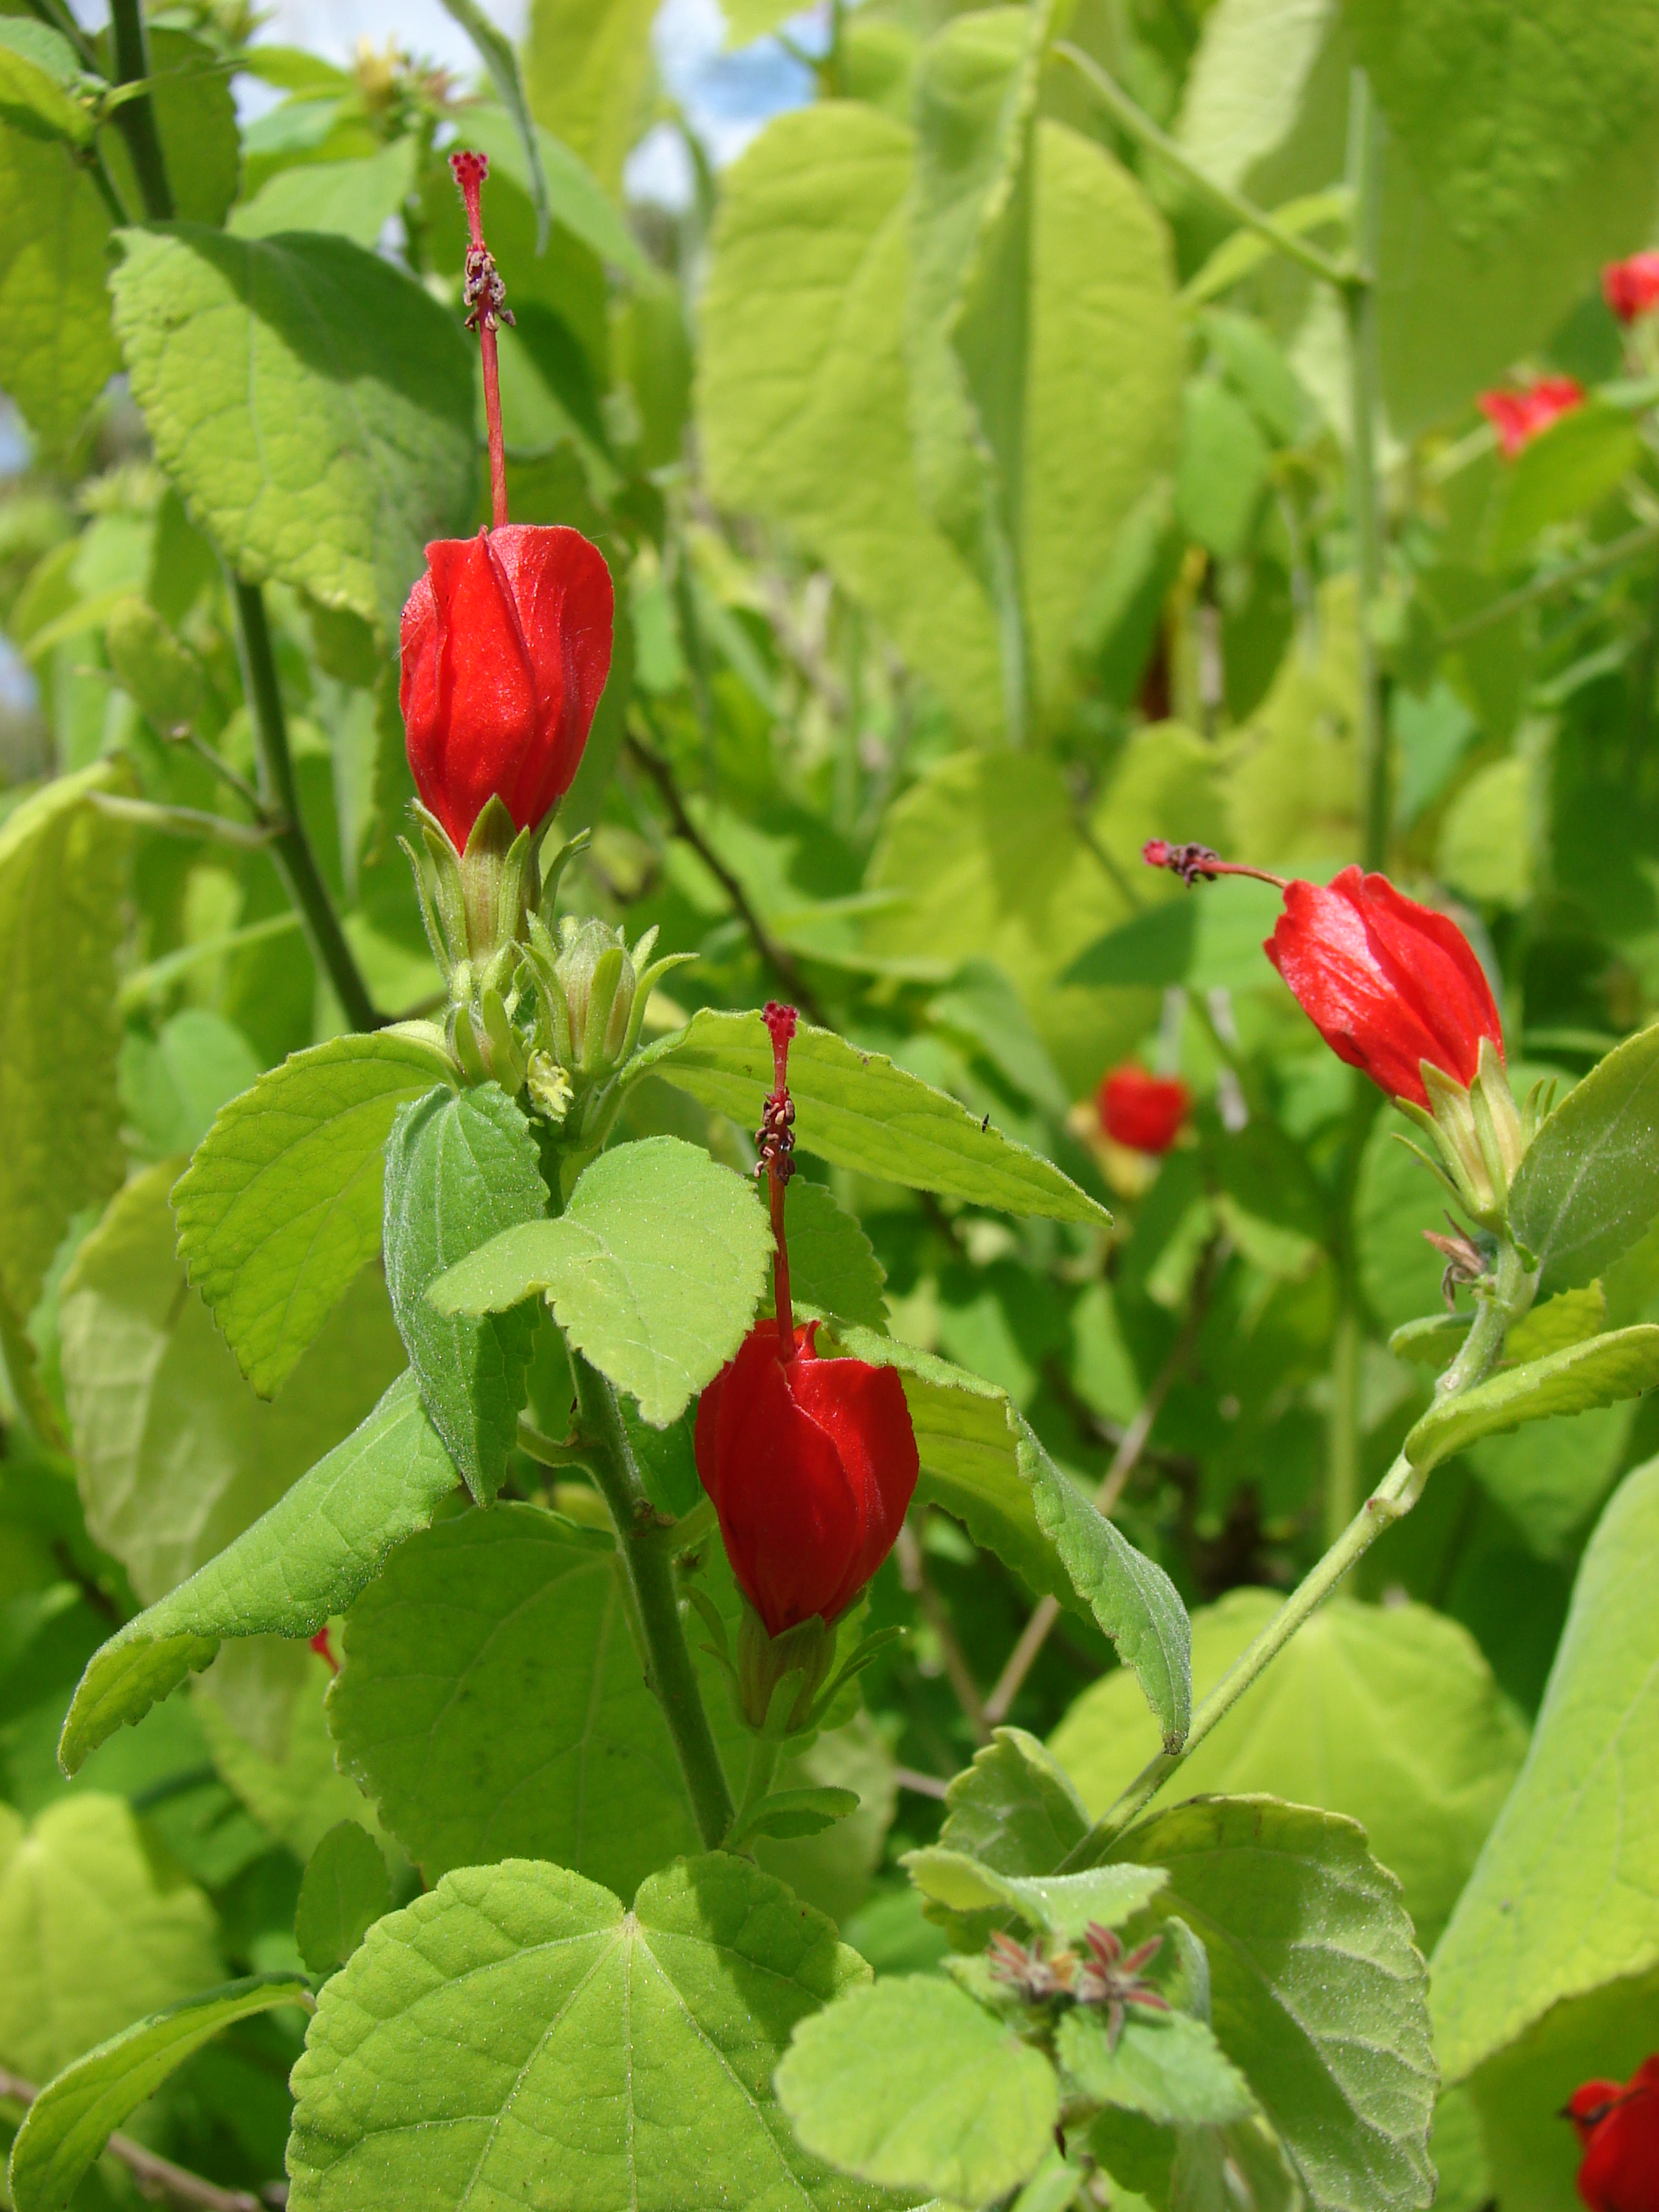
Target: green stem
1140, 126
1342, 1457
1630, 547
1359, 308
1496, 1312
664, 1652
290, 847
135, 119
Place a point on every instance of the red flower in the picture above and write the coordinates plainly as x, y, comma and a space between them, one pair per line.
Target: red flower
811, 1463
1388, 983
1143, 1111
505, 648
1632, 288
1617, 2124
1518, 417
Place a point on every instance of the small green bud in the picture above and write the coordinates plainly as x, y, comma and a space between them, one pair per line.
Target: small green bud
153, 666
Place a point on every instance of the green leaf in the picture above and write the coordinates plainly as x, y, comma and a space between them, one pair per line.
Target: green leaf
195, 116
60, 922
1570, 468
790, 1814
587, 66
37, 69
57, 351
1014, 1808
1550, 1476
492, 1704
1062, 1904
1222, 470
1168, 2066
1484, 850
833, 1267
1569, 1317
64, 2130
355, 199
1598, 1372
501, 64
1318, 1995
312, 404
1388, 1714
912, 2085
1563, 1898
280, 1208
176, 1453
171, 1086
96, 1928
627, 2056
261, 1711
654, 1270
1588, 1186
857, 1110
981, 1462
305, 1560
458, 1169
346, 1889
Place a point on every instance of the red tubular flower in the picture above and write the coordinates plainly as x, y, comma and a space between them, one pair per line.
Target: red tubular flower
1618, 2124
1630, 288
506, 649
1144, 1112
1386, 983
1518, 417
811, 1463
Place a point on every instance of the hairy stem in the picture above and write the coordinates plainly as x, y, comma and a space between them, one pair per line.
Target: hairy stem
1140, 126
646, 1560
291, 846
135, 119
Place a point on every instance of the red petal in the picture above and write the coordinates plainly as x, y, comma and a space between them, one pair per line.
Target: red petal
862, 1410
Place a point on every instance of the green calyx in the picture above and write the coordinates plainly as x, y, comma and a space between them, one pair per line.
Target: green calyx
1479, 1134
784, 1685
593, 992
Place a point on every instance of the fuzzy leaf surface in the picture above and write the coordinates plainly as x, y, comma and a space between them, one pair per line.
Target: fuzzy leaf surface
457, 1170
1588, 1186
857, 1110
306, 1558
1168, 2066
654, 1270
280, 1207
1062, 1904
515, 2030
312, 402
56, 350
65, 2129
1318, 1995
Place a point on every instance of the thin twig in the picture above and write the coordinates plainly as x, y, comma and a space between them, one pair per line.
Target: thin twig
1138, 125
920, 1784
781, 963
1630, 547
1125, 1460
155, 2177
185, 821
913, 1573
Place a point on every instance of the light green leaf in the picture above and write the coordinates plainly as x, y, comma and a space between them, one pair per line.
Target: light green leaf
1395, 1202
1598, 1372
96, 1928
1062, 1904
857, 1110
501, 64
59, 924
280, 1209
1388, 1715
355, 198
586, 67
458, 1169
195, 116
833, 1267
1168, 2066
627, 2063
172, 1087
1015, 1807
1224, 468
261, 1711
654, 1270
1588, 1186
57, 351
346, 1889
302, 1561
1563, 1897
1318, 1995
803, 325
749, 20
37, 69
64, 2130
176, 1453
912, 2085
492, 1704
312, 404
1550, 1476
1487, 835
1256, 81
1568, 1318
981, 1462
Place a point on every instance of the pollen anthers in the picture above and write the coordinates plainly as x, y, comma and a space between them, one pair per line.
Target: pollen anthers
776, 1137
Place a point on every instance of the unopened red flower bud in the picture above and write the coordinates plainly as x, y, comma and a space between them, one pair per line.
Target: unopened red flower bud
1618, 2124
506, 649
1630, 288
1144, 1112
1388, 983
810, 1464
1518, 417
